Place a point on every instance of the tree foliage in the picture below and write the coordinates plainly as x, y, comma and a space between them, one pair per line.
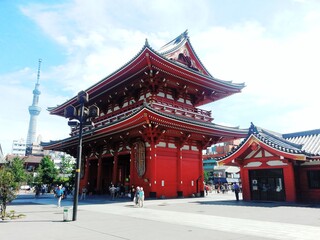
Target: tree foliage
18, 171
66, 165
8, 187
67, 168
12, 175
47, 172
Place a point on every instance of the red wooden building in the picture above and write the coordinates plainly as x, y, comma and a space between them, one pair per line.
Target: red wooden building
150, 131
278, 167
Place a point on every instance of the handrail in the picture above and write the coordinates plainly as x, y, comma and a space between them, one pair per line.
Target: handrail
205, 114
106, 120
164, 106
172, 103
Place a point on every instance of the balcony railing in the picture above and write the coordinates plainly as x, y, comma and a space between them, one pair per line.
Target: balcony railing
164, 106
106, 119
183, 110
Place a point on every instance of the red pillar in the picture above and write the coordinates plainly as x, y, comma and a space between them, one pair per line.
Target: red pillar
115, 169
179, 178
201, 176
132, 167
99, 190
245, 183
289, 182
86, 173
153, 170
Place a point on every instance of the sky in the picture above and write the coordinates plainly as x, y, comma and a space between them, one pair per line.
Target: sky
271, 46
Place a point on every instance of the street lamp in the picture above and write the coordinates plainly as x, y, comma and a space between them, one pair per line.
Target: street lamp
84, 118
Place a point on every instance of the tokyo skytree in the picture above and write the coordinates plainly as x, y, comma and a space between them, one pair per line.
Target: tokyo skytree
34, 111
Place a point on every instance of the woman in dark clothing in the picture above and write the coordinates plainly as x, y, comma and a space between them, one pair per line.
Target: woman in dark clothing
132, 192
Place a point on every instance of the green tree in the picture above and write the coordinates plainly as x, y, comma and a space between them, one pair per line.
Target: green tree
66, 165
8, 188
30, 178
18, 171
72, 178
47, 172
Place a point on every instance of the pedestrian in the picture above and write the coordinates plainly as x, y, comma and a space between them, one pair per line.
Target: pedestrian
37, 190
83, 193
141, 197
118, 190
206, 188
122, 190
136, 196
222, 188
65, 192
132, 192
112, 190
236, 190
59, 194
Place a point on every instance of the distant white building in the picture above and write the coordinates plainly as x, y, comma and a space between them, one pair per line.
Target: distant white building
35, 154
19, 147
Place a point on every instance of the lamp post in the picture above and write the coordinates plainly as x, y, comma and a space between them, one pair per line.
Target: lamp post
84, 117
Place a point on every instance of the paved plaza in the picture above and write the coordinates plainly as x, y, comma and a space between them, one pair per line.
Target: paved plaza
217, 216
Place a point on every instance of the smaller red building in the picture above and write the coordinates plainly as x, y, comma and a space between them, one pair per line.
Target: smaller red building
278, 167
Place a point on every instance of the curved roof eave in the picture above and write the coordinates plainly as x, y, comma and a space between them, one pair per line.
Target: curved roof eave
236, 153
128, 65
218, 129
170, 47
105, 79
198, 75
271, 141
186, 40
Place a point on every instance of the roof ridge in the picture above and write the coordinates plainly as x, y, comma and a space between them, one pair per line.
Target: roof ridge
183, 36
277, 136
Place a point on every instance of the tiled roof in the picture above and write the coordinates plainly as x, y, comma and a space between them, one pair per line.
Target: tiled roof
277, 141
171, 46
310, 140
145, 105
175, 43
307, 143
26, 159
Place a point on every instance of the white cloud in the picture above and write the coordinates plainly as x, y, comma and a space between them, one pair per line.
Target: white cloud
277, 60
281, 75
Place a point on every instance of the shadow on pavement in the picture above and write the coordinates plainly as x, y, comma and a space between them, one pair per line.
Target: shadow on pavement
258, 204
30, 199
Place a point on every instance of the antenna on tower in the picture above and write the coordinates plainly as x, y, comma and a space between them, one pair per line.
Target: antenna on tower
39, 66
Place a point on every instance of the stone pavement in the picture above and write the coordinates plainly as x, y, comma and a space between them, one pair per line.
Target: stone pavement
213, 217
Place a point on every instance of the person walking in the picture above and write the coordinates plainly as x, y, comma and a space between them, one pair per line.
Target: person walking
236, 190
141, 197
112, 190
83, 193
136, 196
59, 194
132, 192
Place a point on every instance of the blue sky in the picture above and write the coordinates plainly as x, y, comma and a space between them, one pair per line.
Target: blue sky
272, 46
